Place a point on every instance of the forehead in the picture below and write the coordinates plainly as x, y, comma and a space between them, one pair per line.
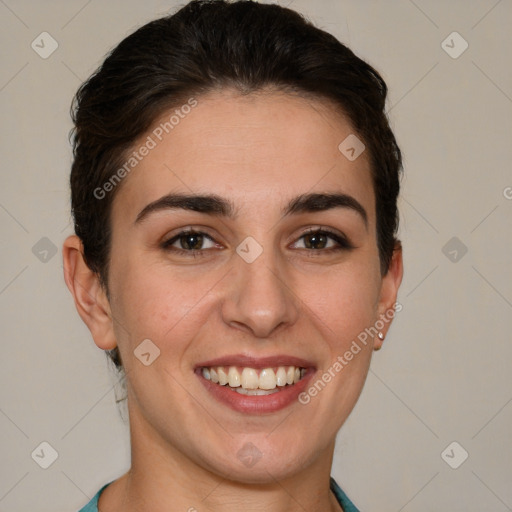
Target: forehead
259, 149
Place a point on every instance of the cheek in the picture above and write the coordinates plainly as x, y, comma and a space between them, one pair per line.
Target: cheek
344, 303
342, 306
159, 303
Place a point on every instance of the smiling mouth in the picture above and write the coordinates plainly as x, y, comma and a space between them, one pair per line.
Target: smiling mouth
254, 382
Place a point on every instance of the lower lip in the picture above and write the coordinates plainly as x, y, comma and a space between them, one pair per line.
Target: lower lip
257, 404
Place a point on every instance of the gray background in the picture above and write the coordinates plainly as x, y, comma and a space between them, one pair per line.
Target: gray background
444, 374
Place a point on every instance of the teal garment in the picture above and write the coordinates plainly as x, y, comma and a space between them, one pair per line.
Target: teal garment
342, 498
92, 506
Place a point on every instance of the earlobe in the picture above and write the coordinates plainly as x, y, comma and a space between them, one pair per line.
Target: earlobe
90, 298
389, 292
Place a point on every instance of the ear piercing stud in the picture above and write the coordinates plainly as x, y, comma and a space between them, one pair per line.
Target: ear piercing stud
380, 335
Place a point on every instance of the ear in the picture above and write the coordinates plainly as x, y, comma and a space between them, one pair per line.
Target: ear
389, 292
90, 298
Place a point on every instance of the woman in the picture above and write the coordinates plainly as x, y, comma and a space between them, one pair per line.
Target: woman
234, 191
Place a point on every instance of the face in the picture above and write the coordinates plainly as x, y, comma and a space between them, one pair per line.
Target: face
244, 247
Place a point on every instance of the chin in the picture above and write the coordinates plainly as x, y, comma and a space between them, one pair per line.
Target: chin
251, 465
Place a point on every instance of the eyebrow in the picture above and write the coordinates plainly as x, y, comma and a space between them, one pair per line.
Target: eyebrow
212, 204
323, 202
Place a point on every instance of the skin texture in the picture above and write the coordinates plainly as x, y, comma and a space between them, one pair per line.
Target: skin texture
259, 152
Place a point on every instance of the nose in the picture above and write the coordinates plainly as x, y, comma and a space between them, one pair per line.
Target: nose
260, 299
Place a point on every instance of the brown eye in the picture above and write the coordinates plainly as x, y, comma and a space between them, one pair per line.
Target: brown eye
189, 241
316, 241
322, 240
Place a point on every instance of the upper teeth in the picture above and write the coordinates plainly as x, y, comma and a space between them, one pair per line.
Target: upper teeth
248, 378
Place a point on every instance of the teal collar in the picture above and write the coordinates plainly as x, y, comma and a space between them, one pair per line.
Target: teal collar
342, 498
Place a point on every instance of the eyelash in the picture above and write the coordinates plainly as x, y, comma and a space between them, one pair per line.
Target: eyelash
343, 243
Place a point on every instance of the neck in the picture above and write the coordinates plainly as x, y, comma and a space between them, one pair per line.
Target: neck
162, 479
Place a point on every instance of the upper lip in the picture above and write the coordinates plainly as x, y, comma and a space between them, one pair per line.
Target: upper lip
256, 362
